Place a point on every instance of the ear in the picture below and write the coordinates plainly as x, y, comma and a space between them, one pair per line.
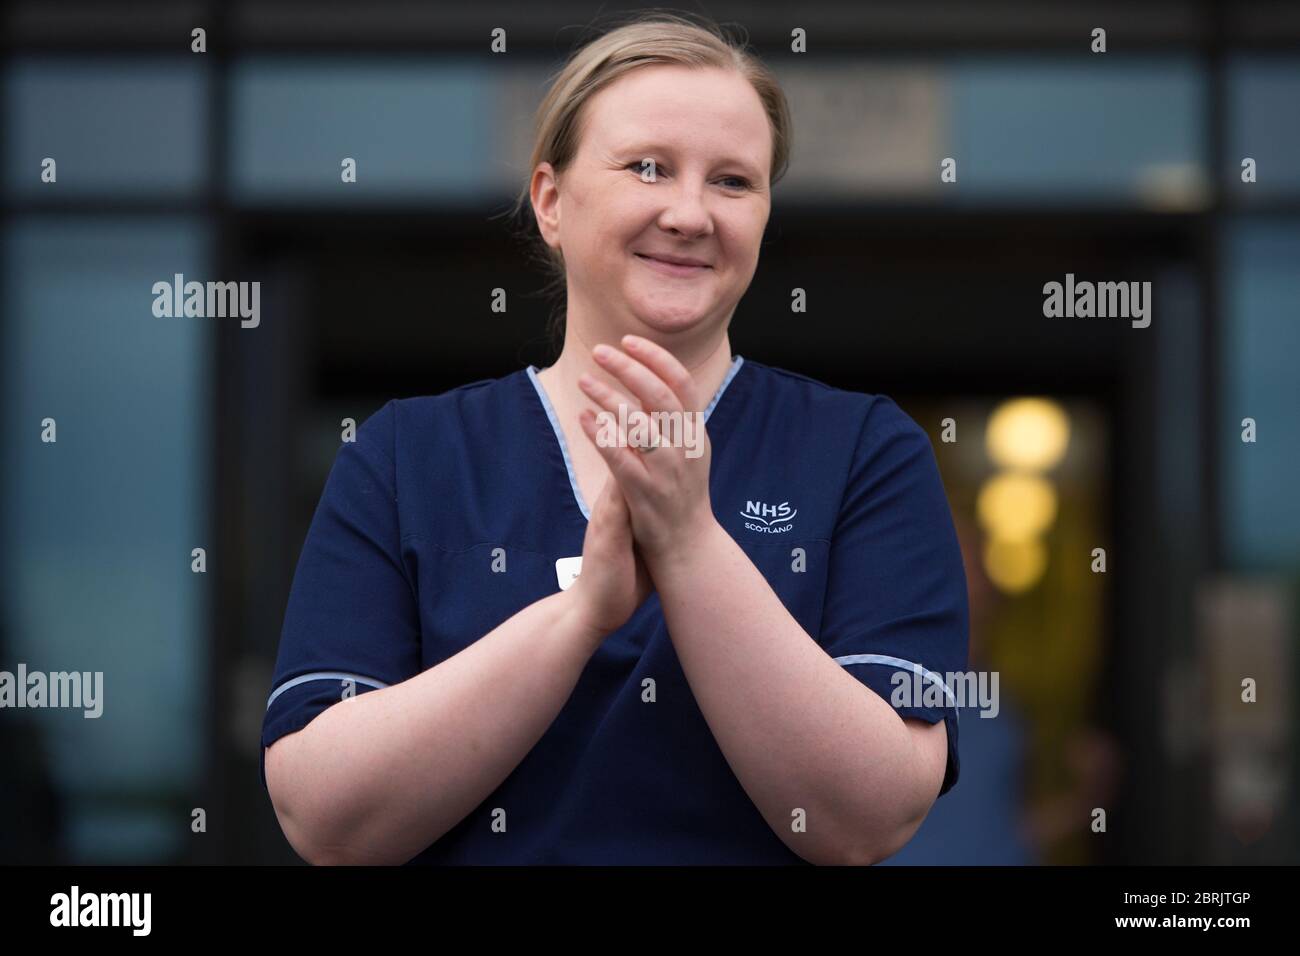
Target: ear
544, 192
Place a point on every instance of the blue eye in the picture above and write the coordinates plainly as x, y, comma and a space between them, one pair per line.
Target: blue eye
640, 166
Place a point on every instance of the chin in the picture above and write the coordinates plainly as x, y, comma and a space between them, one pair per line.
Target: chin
667, 322
660, 315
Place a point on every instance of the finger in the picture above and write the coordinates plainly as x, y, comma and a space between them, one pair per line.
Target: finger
605, 395
617, 503
620, 514
586, 381
665, 365
644, 583
612, 501
609, 530
611, 400
625, 465
651, 390
597, 521
605, 500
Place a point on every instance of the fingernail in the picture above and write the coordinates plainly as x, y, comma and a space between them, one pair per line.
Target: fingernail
603, 351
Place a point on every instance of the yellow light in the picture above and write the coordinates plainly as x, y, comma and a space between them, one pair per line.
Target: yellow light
1027, 433
1015, 506
1015, 566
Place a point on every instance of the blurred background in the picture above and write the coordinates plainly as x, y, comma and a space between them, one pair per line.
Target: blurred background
1121, 688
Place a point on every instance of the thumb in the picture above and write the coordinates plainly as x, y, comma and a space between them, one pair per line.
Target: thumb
644, 583
609, 515
617, 503
606, 502
620, 516
598, 521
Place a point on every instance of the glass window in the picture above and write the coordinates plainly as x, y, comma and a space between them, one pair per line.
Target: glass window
115, 128
418, 129
99, 525
1031, 130
1262, 94
1261, 340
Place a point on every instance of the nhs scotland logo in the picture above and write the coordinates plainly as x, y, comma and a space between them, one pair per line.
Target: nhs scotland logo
768, 519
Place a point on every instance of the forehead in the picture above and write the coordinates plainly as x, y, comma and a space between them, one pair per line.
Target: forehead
675, 106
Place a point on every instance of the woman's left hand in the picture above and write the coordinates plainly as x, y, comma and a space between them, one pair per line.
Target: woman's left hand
667, 487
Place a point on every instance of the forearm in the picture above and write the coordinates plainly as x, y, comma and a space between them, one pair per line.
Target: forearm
797, 730
380, 776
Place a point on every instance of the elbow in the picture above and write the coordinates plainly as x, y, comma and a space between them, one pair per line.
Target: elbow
325, 839
323, 851
860, 837
314, 838
312, 828
871, 838
307, 843
870, 852
312, 853
322, 840
328, 854
867, 846
301, 832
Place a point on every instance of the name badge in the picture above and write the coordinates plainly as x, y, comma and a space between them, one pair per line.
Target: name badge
567, 571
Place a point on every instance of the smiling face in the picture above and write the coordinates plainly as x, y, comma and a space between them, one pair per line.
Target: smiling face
708, 202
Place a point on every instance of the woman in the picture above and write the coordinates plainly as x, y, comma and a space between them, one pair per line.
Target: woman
715, 685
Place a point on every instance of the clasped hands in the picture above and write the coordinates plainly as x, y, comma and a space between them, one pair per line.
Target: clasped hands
656, 502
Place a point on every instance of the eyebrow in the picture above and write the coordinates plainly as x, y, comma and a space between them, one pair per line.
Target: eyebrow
643, 149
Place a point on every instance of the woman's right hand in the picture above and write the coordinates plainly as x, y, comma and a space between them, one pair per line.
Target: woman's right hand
613, 581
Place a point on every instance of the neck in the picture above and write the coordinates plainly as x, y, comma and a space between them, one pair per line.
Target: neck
706, 359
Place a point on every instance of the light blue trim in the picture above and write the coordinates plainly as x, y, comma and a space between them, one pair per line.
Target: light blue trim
559, 435
559, 432
731, 373
323, 675
899, 662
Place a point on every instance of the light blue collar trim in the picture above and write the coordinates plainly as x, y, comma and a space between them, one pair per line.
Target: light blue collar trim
559, 432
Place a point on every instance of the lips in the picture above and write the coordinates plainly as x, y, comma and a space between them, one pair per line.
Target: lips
666, 267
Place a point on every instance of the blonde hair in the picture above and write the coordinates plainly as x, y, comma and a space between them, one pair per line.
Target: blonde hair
650, 38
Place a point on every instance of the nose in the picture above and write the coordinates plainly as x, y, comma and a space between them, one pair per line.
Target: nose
686, 213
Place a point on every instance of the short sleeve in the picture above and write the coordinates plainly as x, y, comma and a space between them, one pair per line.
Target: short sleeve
896, 601
351, 624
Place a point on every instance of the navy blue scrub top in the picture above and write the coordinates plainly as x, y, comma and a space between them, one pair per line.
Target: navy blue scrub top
396, 575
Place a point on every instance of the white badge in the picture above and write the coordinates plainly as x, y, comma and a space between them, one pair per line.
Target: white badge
567, 571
